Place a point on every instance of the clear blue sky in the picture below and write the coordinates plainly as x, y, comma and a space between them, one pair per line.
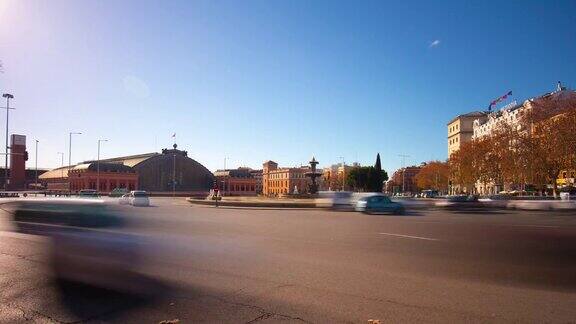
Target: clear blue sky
280, 80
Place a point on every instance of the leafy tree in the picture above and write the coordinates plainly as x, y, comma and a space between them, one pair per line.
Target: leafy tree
434, 175
366, 179
530, 153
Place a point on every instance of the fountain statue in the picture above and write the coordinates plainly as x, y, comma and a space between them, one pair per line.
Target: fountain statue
313, 174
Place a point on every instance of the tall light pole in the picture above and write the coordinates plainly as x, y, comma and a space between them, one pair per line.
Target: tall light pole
61, 164
98, 165
226, 158
174, 173
36, 163
403, 156
70, 154
343, 173
8, 97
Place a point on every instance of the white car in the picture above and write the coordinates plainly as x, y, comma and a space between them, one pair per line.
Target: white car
542, 204
124, 199
139, 198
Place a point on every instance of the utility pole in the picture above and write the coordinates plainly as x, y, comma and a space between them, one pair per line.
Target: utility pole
8, 97
98, 166
403, 156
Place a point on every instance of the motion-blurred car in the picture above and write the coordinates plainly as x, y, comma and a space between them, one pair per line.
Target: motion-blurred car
495, 201
118, 192
342, 200
124, 200
460, 202
88, 242
139, 198
379, 204
542, 204
88, 193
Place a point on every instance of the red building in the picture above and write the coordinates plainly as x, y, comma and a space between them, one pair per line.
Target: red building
236, 182
18, 157
86, 175
404, 180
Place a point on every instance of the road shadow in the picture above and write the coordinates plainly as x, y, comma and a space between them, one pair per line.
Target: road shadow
262, 208
478, 211
87, 302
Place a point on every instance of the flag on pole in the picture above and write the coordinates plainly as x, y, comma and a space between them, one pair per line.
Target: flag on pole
497, 100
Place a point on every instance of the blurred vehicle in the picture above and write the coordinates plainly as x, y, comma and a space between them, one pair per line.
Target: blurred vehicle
118, 192
460, 202
139, 198
124, 200
342, 200
378, 204
495, 201
88, 244
88, 193
542, 204
429, 193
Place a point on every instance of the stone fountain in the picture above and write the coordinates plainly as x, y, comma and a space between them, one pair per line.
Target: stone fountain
313, 174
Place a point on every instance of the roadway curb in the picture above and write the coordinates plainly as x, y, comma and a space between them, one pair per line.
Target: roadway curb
254, 204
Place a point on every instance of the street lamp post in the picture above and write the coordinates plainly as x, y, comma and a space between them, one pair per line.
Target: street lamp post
403, 156
98, 166
61, 164
8, 97
36, 164
70, 152
174, 176
343, 173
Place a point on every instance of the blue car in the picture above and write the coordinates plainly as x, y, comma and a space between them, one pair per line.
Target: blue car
379, 204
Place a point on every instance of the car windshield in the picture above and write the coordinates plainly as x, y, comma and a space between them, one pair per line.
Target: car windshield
293, 161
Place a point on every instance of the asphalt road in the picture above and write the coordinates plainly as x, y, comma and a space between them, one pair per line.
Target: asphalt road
233, 265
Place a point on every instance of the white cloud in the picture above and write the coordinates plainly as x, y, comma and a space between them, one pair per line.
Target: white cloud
434, 43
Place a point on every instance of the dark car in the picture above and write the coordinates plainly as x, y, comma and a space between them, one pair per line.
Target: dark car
379, 204
460, 202
89, 241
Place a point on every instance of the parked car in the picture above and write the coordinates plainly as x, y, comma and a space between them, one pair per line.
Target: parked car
139, 198
118, 192
88, 193
378, 204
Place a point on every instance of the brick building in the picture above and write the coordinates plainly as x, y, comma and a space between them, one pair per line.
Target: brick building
404, 180
257, 174
278, 181
154, 172
236, 182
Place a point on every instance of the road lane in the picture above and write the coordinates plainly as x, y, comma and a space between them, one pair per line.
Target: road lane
234, 265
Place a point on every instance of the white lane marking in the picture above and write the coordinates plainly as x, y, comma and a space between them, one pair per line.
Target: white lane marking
410, 236
537, 226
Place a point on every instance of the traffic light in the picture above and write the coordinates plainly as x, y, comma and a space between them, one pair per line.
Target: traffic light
25, 155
